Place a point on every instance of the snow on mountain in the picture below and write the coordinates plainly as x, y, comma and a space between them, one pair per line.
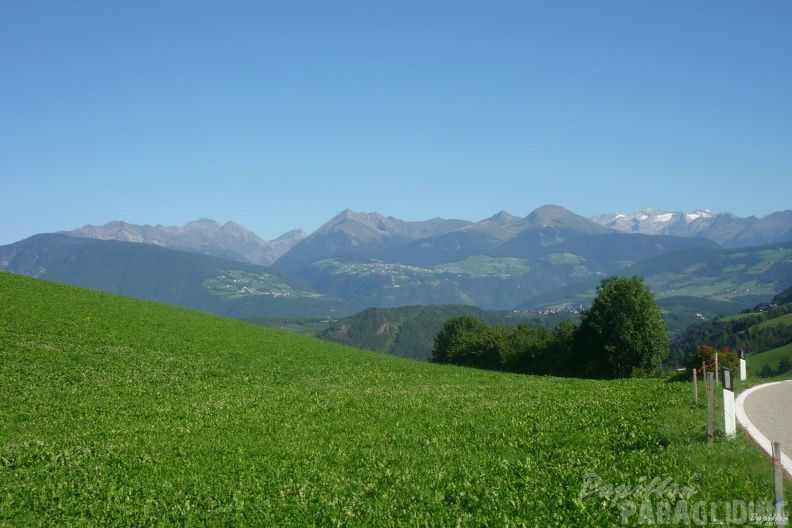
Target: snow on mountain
723, 228
703, 213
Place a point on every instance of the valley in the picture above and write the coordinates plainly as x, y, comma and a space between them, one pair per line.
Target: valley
551, 259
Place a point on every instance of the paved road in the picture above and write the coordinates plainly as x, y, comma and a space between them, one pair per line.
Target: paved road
765, 411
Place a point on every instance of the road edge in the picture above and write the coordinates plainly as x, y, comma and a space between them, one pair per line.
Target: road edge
754, 432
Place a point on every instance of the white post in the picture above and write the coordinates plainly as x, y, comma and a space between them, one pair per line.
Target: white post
695, 388
742, 365
710, 425
729, 416
778, 478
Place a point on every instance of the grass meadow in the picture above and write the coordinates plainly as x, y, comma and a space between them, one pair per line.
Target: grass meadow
770, 358
116, 411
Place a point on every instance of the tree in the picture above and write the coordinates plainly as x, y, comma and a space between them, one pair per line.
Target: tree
784, 365
524, 348
452, 334
623, 332
560, 357
484, 348
784, 297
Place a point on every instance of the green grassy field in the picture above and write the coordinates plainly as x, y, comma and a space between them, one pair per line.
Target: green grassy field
234, 284
116, 411
784, 319
302, 326
769, 357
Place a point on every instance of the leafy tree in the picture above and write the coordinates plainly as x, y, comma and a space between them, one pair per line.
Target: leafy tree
784, 365
623, 332
767, 372
785, 297
484, 348
560, 358
452, 334
527, 350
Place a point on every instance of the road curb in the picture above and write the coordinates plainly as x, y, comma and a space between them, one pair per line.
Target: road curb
755, 433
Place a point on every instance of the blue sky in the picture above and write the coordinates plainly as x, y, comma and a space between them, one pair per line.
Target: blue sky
279, 115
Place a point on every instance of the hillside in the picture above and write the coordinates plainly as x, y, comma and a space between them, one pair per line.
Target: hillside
737, 277
765, 333
121, 411
187, 279
773, 363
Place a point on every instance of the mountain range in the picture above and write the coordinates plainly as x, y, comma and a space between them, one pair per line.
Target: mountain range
726, 229
549, 258
229, 241
350, 231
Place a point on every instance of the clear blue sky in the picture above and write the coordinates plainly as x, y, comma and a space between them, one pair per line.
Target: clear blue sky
278, 115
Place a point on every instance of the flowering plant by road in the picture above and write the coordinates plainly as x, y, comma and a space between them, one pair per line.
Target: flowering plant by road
707, 353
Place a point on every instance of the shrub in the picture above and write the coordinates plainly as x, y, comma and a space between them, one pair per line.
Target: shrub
707, 353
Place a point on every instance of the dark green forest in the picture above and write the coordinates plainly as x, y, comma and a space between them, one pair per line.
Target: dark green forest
621, 335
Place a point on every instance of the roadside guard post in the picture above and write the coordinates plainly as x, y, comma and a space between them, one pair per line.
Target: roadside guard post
729, 417
778, 477
742, 365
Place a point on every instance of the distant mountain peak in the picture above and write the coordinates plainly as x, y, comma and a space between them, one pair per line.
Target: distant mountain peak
548, 212
350, 221
724, 228
202, 222
294, 234
503, 218
350, 231
230, 240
